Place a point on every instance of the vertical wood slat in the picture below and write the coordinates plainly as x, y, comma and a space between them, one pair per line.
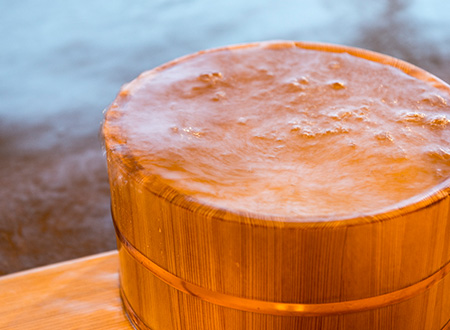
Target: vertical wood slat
282, 263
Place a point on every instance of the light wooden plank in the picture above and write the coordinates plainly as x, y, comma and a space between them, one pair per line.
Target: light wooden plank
78, 294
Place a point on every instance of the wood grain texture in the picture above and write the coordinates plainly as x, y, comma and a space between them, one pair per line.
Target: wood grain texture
327, 263
273, 272
79, 294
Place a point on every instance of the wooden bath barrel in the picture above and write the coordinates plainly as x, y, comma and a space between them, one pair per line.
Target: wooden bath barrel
194, 256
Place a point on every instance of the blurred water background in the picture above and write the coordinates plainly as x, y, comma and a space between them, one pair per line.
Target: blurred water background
62, 63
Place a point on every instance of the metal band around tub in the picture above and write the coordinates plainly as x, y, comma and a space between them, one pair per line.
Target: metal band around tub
279, 308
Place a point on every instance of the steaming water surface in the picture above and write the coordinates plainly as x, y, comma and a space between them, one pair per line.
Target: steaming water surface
276, 129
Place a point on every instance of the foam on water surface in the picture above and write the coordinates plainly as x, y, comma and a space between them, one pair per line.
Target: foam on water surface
287, 131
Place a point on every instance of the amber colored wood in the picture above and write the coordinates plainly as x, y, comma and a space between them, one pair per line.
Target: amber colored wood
286, 262
78, 294
385, 271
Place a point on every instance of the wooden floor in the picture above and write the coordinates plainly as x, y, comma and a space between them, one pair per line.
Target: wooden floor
77, 294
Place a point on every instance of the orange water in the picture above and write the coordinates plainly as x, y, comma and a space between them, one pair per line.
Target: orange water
287, 131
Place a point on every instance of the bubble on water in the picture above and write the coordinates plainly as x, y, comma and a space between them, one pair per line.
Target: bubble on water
294, 86
334, 65
303, 80
345, 114
297, 124
439, 121
337, 85
295, 128
210, 78
242, 120
341, 114
192, 132
264, 73
309, 129
302, 128
409, 116
218, 96
209, 81
307, 132
434, 99
399, 154
384, 136
351, 143
362, 113
359, 114
335, 130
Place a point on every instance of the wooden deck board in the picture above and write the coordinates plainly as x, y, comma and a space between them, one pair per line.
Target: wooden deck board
77, 294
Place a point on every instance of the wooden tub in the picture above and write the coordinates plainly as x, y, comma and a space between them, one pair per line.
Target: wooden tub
187, 265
